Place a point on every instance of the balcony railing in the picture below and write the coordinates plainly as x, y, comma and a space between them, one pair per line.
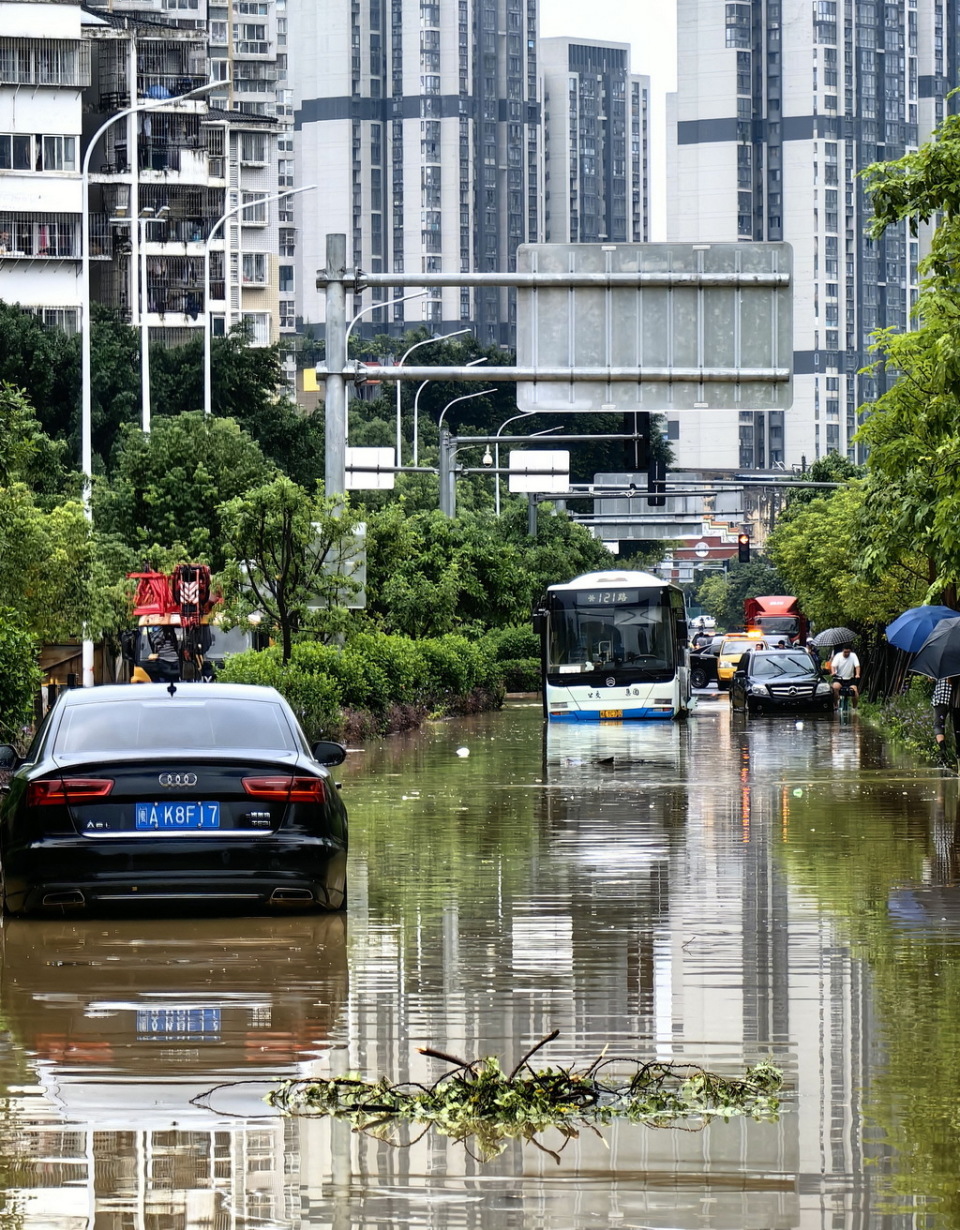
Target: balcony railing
41, 235
44, 61
167, 85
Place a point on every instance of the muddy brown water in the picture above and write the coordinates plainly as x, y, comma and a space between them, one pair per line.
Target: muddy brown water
716, 892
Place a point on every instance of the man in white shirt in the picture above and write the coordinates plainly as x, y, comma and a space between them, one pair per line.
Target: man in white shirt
845, 668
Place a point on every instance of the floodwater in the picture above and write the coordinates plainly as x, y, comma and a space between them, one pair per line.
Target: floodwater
717, 892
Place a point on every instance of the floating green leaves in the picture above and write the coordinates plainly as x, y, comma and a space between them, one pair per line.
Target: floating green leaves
478, 1103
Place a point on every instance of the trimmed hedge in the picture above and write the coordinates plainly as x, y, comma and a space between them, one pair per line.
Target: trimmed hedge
516, 650
374, 682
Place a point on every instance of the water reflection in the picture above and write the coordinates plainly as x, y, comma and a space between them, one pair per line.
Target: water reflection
718, 891
120, 1025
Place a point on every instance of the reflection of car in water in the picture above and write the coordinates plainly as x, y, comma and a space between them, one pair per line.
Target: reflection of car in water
105, 1009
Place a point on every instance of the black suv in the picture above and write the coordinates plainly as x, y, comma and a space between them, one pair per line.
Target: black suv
768, 679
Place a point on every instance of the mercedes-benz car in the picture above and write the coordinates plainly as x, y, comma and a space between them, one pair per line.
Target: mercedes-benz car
196, 795
768, 679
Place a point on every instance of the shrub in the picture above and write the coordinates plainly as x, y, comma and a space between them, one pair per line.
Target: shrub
513, 642
908, 718
520, 674
516, 650
363, 682
314, 697
398, 660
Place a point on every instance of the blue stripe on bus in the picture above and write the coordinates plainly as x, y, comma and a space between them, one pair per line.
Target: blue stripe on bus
627, 715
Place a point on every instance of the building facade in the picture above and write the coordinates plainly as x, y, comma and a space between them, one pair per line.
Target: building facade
420, 123
780, 104
158, 180
596, 143
44, 72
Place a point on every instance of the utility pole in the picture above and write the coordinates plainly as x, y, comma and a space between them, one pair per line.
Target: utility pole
335, 398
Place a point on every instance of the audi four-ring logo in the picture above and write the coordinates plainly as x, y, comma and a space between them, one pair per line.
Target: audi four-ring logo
178, 779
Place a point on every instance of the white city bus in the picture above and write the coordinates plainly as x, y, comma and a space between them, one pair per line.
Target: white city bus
613, 648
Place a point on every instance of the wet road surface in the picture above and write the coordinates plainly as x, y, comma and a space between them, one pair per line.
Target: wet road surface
716, 892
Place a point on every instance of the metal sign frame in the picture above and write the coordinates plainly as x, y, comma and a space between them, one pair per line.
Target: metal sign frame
703, 326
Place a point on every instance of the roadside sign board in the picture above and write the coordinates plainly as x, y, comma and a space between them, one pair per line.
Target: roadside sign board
539, 470
364, 472
705, 326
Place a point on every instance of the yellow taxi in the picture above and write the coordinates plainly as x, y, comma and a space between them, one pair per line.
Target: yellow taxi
732, 650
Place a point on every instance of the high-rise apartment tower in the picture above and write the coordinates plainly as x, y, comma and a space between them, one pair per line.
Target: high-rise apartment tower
595, 129
420, 122
780, 104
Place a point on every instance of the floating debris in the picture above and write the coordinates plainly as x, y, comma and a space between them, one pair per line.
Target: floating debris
478, 1103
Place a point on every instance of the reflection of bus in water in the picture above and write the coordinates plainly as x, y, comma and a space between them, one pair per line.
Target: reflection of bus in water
613, 648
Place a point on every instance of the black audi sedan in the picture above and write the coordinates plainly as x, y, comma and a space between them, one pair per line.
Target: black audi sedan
189, 795
772, 679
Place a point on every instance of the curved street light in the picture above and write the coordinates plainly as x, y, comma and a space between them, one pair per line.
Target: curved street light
416, 405
496, 449
86, 413
372, 307
207, 326
409, 351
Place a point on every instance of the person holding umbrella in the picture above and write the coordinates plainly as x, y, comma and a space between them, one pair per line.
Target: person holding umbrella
945, 700
845, 668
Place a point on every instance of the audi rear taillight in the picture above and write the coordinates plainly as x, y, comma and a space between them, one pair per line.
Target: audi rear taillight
58, 791
286, 789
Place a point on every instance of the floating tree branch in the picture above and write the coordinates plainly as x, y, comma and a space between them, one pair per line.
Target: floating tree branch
478, 1102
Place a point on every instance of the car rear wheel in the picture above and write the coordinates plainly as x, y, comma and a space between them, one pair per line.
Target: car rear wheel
698, 677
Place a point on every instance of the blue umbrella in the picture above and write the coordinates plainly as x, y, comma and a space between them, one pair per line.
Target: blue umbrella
911, 629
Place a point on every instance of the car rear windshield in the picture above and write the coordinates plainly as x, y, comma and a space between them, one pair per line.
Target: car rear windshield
769, 665
149, 725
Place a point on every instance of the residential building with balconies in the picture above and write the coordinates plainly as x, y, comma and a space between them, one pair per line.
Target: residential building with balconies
44, 70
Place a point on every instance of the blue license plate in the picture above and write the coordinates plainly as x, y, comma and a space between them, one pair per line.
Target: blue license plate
176, 817
170, 1023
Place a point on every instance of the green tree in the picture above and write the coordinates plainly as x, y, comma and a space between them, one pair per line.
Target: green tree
913, 429
723, 594
168, 486
429, 574
814, 549
26, 452
245, 384
19, 674
289, 554
45, 364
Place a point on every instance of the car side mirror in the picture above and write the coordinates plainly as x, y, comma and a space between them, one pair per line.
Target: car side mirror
8, 757
329, 753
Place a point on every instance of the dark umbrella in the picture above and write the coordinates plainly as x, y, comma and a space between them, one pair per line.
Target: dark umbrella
939, 655
909, 630
830, 638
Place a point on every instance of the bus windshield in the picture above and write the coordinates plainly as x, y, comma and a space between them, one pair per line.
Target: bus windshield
630, 631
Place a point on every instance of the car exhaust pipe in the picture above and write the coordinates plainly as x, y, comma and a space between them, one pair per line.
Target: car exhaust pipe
73, 897
291, 896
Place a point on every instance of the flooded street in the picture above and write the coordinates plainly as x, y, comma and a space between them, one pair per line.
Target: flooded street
720, 891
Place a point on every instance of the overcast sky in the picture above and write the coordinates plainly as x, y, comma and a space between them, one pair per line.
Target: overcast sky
650, 28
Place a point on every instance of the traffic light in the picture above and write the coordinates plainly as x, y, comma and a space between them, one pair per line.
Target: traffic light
743, 548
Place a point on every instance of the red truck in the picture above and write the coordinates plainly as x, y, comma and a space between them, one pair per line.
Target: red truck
777, 615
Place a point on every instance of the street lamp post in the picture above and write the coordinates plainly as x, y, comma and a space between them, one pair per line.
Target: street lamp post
147, 215
372, 307
86, 415
409, 351
448, 453
207, 326
496, 451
